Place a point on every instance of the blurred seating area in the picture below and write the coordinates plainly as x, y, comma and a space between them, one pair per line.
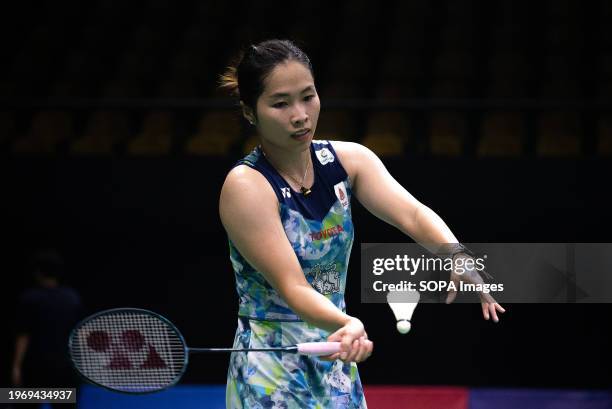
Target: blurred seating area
540, 72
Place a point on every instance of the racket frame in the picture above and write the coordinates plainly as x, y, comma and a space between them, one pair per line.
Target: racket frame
72, 339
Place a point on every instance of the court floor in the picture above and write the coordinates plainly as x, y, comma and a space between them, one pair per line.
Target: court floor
378, 397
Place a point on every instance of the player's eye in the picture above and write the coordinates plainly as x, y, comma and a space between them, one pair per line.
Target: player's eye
308, 97
281, 104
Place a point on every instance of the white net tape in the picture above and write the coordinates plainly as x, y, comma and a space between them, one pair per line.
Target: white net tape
130, 351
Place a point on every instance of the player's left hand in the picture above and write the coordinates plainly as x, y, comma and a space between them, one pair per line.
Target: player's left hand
490, 307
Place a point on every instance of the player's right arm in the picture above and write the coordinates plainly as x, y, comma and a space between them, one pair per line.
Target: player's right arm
249, 212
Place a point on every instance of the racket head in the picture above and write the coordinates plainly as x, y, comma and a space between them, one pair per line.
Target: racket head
128, 350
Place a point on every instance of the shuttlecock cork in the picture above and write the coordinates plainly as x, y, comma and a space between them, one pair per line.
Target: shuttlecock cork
402, 304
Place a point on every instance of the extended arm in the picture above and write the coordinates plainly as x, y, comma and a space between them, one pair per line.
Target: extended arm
372, 182
385, 198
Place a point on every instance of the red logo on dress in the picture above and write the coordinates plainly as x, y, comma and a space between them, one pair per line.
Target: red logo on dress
327, 233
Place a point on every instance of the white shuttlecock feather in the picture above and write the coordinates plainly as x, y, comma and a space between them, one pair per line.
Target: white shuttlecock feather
402, 304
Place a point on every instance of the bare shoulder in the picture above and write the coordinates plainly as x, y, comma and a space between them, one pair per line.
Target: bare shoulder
351, 155
245, 188
350, 150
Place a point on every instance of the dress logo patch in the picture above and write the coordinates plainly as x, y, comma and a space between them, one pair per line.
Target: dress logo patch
325, 156
341, 194
325, 278
286, 192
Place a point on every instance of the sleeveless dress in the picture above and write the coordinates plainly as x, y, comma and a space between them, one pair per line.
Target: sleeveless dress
320, 230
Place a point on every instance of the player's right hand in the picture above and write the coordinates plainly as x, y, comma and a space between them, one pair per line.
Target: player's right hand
356, 347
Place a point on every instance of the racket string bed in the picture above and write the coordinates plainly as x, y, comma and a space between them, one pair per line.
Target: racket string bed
138, 351
129, 351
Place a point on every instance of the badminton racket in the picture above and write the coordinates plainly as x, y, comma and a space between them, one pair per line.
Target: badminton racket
133, 350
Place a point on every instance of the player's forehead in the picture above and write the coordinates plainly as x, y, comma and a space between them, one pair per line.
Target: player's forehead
288, 78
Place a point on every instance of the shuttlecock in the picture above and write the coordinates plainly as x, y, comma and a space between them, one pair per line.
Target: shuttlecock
402, 304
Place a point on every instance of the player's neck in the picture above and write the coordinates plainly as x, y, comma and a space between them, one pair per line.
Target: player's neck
286, 161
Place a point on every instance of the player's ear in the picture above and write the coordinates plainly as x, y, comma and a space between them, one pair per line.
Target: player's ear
248, 113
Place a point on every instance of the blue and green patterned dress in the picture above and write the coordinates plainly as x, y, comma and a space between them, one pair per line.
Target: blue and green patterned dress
320, 229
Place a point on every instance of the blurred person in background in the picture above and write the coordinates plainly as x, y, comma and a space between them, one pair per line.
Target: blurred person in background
45, 316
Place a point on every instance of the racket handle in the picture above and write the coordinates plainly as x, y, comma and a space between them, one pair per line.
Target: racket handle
318, 348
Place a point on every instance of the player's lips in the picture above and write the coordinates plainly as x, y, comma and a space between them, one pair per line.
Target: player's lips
302, 133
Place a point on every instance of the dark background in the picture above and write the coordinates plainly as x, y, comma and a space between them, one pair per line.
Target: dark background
141, 228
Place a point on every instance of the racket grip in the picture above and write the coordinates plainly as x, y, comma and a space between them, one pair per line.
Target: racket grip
318, 348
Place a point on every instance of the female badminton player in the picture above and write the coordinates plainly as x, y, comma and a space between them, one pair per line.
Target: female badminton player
286, 208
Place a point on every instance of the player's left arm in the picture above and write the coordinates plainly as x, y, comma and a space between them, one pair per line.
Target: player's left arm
385, 198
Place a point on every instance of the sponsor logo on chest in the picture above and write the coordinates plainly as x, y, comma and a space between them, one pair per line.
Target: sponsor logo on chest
325, 156
326, 233
341, 194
